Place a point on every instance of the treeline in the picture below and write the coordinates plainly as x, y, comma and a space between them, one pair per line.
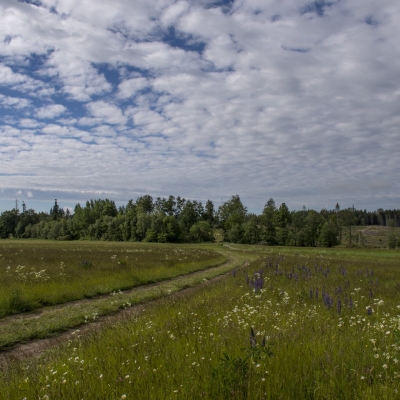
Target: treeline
178, 220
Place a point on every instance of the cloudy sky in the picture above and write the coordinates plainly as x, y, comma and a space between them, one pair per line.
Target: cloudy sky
292, 99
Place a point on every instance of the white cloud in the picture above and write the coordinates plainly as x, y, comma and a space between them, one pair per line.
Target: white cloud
51, 111
172, 14
106, 112
17, 81
9, 77
129, 87
279, 101
13, 102
29, 123
104, 130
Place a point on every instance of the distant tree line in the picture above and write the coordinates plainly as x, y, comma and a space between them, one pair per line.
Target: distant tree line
175, 219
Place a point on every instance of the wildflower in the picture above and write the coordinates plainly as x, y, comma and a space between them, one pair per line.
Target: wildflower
101, 376
384, 366
376, 355
253, 342
123, 396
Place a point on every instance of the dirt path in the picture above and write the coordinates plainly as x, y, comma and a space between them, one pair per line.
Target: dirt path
78, 303
36, 347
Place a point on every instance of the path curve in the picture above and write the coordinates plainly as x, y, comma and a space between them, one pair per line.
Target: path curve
35, 348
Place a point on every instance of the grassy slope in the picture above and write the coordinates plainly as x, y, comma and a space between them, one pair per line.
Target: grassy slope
372, 236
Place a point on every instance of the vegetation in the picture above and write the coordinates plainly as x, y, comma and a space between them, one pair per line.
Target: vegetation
294, 324
52, 320
37, 274
176, 220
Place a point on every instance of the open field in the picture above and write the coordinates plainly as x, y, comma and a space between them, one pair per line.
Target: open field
372, 236
293, 324
34, 274
52, 321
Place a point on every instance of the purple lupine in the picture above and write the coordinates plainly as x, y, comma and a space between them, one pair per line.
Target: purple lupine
253, 341
370, 294
316, 293
311, 293
351, 302
339, 306
369, 311
264, 342
328, 300
258, 283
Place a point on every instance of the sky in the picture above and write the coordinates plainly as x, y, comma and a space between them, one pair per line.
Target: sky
296, 100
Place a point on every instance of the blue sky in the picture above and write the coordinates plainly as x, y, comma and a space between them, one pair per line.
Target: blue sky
296, 100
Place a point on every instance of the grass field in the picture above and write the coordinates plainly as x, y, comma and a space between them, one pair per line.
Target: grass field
372, 236
293, 324
34, 274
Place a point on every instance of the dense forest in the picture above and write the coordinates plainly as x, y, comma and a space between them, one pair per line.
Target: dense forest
178, 220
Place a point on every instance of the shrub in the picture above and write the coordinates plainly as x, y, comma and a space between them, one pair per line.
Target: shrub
392, 241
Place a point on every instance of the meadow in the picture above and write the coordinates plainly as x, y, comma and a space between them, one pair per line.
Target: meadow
34, 274
371, 236
292, 324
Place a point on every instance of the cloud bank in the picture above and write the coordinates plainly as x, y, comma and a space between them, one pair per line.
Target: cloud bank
296, 100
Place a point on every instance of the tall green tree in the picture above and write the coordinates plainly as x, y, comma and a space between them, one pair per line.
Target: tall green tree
312, 229
56, 212
8, 223
145, 204
328, 235
231, 213
209, 212
268, 220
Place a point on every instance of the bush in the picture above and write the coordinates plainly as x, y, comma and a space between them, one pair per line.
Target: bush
392, 241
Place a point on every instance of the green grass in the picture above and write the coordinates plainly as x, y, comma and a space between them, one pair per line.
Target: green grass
34, 274
200, 345
54, 320
372, 236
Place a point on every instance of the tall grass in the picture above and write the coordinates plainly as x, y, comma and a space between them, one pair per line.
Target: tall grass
286, 327
37, 274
